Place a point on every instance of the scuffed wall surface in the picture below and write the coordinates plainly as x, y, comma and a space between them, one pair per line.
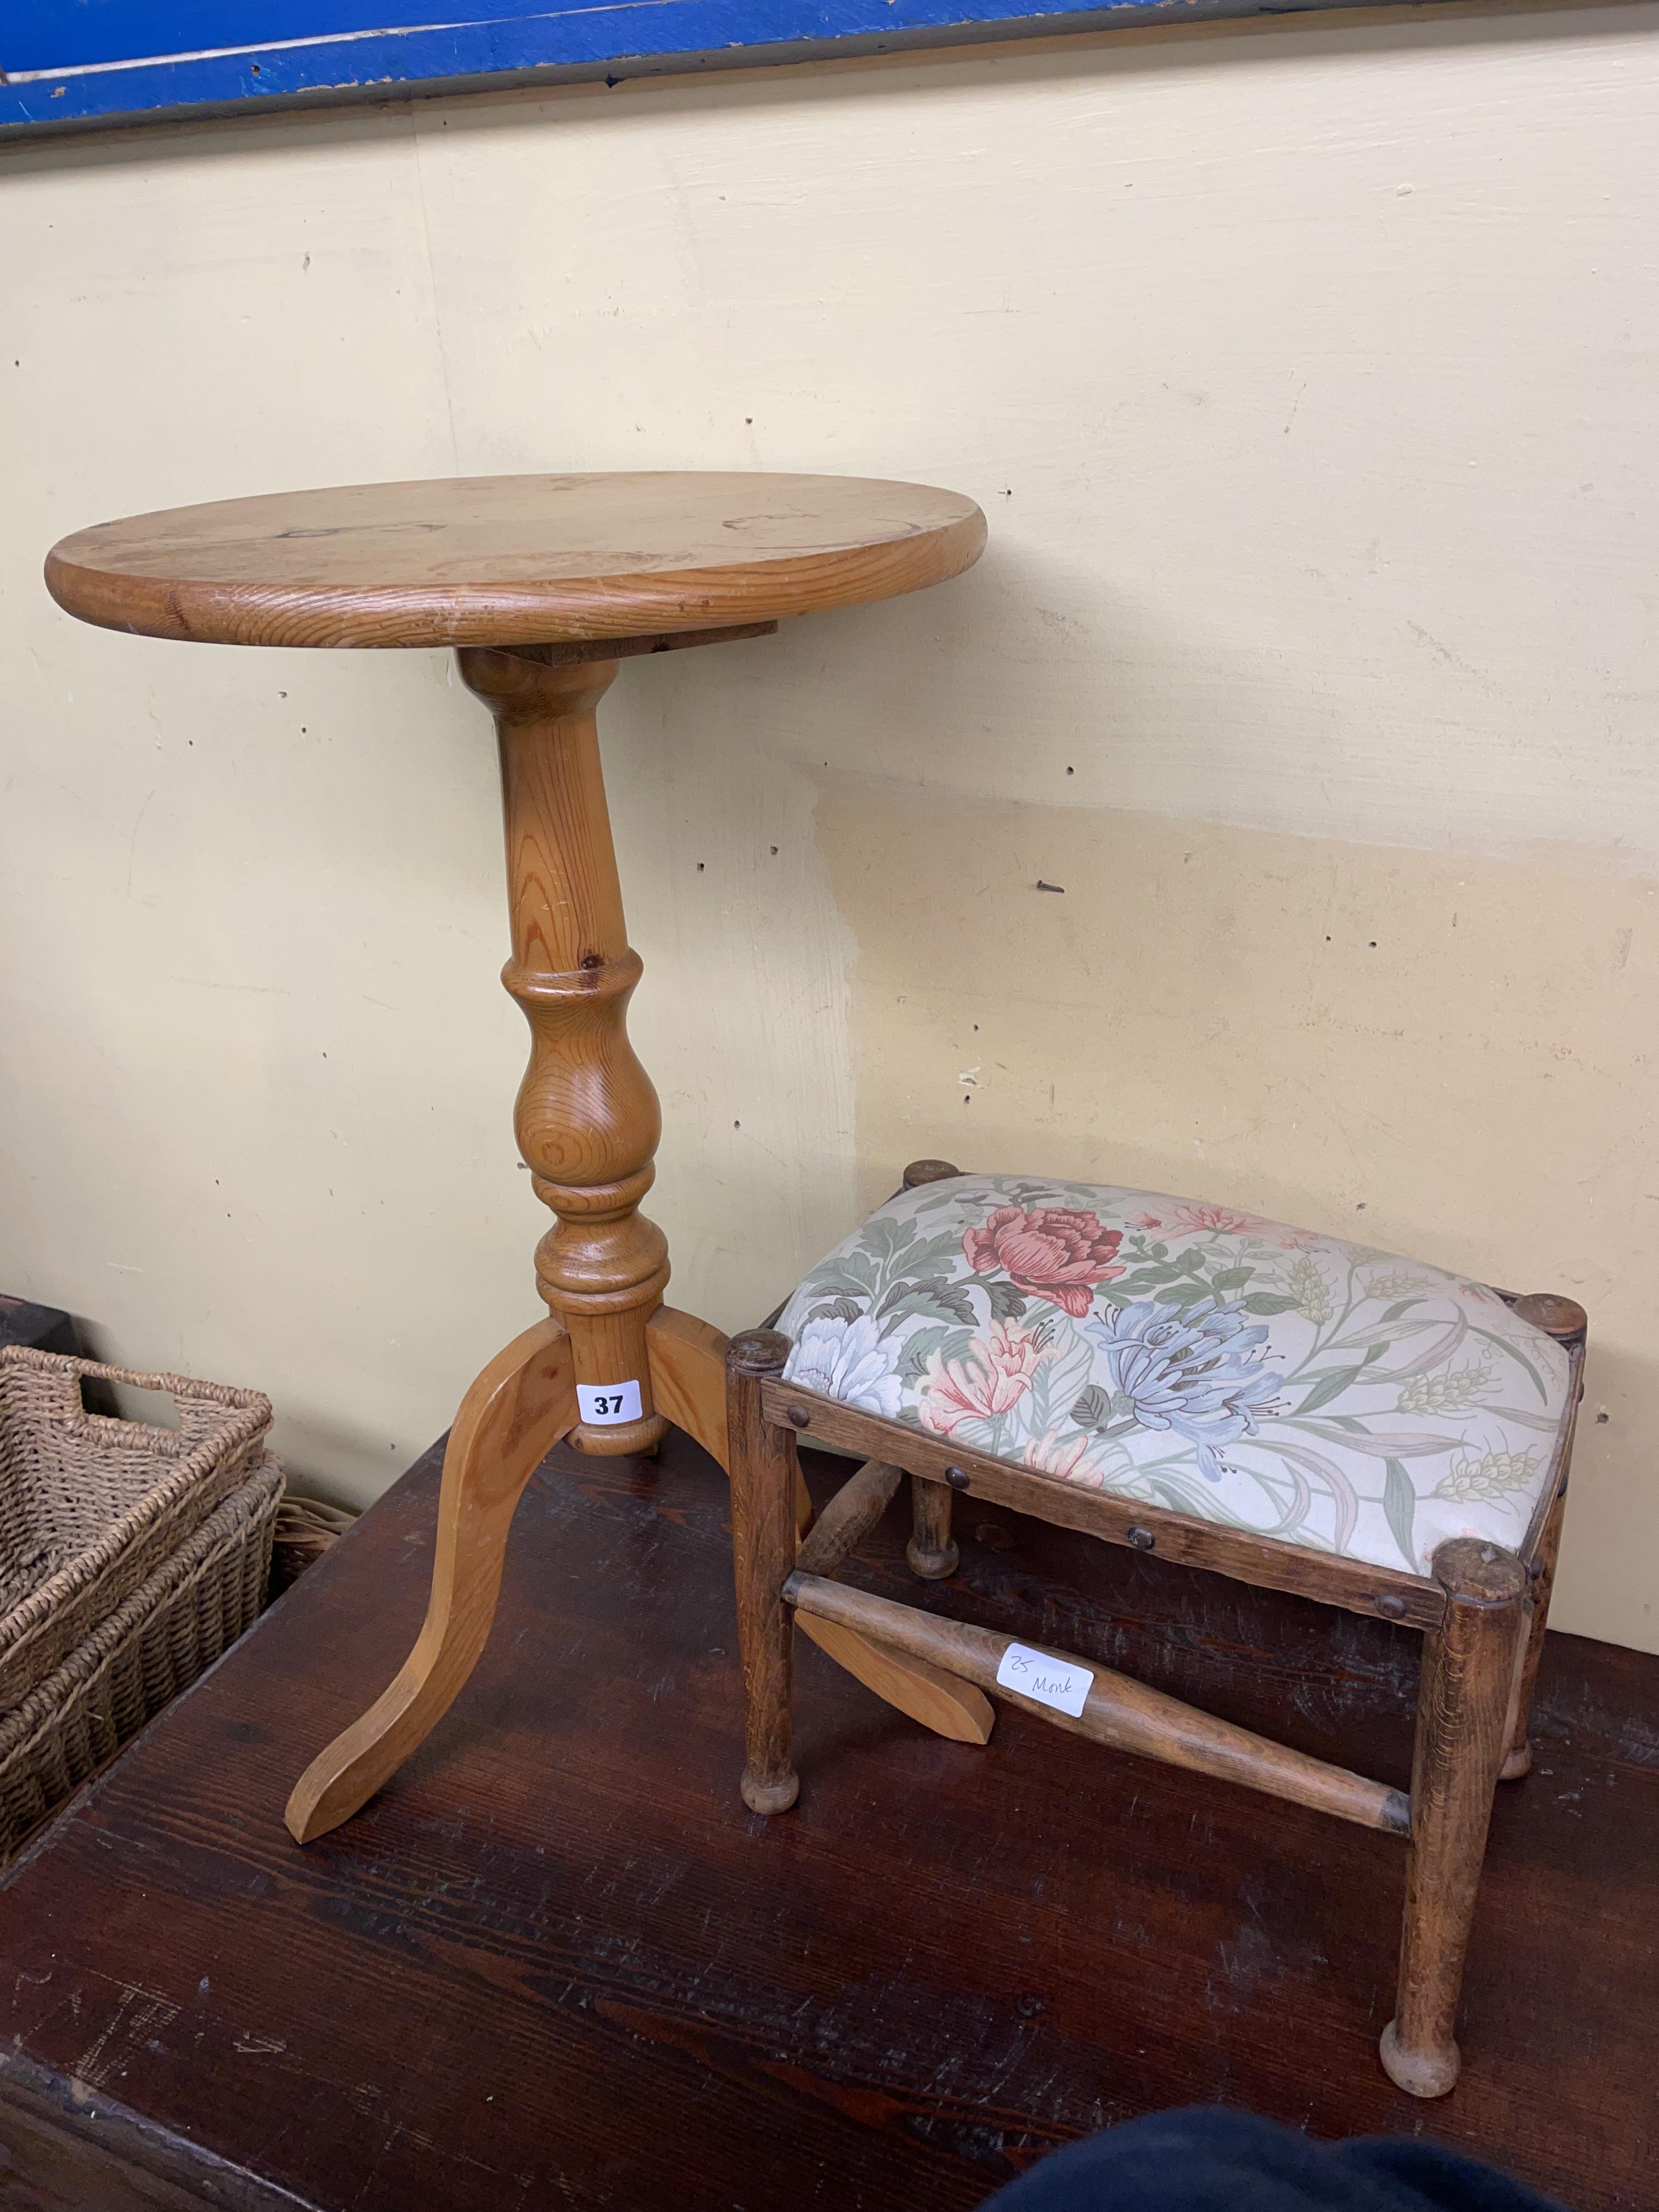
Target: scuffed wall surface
1304, 375
1405, 1048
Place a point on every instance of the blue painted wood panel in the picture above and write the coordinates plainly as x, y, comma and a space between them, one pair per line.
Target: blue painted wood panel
87, 61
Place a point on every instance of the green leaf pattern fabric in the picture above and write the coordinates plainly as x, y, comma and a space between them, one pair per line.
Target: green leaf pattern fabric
1194, 1358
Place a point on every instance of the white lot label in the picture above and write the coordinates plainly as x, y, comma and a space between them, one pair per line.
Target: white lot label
601, 1405
1051, 1681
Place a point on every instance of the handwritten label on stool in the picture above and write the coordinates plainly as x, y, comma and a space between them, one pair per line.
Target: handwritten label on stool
602, 1405
1050, 1682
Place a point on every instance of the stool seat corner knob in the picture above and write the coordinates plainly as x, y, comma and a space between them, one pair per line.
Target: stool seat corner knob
758, 1351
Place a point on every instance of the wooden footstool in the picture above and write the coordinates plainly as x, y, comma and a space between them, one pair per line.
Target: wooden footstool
1283, 1407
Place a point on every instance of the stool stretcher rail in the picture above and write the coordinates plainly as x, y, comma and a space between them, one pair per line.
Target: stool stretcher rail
1118, 1711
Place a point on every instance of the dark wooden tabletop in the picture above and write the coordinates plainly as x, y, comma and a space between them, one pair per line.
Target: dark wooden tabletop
557, 1964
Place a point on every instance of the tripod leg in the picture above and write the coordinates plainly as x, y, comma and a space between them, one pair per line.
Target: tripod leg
509, 1420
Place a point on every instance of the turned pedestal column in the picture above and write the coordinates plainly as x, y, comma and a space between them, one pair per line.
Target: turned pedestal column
544, 585
587, 1120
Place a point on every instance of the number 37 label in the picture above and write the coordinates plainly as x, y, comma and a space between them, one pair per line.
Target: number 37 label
603, 1404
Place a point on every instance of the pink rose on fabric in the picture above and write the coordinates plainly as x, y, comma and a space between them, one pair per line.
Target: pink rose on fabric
1056, 1253
1191, 1219
1233, 1224
994, 1374
1224, 1218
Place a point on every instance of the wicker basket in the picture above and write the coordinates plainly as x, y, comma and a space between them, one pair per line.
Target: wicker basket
90, 1508
154, 1644
307, 1529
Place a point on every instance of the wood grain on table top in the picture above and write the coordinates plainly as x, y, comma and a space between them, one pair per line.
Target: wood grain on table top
514, 560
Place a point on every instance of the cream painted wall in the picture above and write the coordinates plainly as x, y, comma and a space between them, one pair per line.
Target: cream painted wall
1306, 376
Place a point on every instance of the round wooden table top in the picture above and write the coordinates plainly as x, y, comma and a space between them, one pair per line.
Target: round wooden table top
514, 560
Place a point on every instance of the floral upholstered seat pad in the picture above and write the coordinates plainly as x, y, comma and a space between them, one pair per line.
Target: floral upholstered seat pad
1193, 1357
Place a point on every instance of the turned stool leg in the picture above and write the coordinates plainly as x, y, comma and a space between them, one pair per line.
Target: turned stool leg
1469, 1672
1566, 1321
688, 1376
764, 1479
1517, 1761
930, 1550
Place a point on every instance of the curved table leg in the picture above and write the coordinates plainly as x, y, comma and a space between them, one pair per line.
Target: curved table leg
509, 1420
687, 1383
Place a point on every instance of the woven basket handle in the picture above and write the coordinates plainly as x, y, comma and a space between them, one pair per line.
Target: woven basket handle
197, 1417
201, 1407
59, 1386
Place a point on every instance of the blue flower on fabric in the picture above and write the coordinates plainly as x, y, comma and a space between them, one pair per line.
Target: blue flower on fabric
1199, 1374
846, 1359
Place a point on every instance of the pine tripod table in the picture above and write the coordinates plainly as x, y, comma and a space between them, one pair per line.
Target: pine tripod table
542, 585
